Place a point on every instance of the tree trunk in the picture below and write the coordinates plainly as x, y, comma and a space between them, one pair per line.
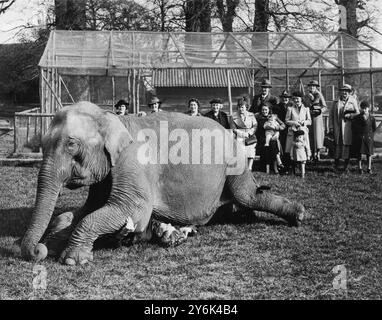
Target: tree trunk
198, 15
261, 21
70, 14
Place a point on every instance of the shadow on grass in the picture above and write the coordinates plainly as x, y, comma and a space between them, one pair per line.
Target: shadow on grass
225, 215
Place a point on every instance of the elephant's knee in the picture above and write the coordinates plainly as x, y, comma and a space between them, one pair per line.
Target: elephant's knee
62, 221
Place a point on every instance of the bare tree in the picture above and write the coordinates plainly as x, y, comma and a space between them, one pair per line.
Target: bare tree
226, 11
5, 5
197, 15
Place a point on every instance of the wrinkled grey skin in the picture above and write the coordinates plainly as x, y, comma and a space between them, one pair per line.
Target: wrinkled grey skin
86, 146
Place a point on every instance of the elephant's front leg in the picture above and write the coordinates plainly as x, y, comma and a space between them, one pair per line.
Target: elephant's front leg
64, 224
106, 220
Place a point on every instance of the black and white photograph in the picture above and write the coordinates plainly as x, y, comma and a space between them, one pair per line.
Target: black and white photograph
209, 151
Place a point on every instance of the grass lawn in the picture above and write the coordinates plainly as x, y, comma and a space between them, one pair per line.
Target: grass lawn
234, 257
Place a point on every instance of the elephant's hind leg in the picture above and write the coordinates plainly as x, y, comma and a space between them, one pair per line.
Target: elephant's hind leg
247, 193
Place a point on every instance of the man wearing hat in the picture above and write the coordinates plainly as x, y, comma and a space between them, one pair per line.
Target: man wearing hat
315, 101
216, 114
340, 125
264, 97
154, 104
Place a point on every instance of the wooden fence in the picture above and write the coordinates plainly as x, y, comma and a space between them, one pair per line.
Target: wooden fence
29, 126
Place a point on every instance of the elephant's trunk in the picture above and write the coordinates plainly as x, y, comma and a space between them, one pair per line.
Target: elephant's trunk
47, 193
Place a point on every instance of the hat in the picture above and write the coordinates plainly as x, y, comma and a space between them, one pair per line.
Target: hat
364, 104
154, 100
297, 94
120, 103
285, 94
266, 84
216, 100
314, 83
298, 133
346, 87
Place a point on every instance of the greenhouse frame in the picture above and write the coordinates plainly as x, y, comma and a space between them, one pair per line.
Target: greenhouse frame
105, 66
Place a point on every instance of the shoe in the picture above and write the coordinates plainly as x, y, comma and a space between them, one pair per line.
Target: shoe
369, 171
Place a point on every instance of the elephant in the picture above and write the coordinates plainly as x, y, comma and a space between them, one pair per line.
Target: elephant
88, 146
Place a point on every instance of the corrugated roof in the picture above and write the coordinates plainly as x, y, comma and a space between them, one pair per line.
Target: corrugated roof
239, 78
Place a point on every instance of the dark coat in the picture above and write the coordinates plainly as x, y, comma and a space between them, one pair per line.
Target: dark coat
258, 101
363, 135
281, 110
222, 118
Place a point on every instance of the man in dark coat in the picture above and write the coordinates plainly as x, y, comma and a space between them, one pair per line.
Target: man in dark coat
280, 110
216, 113
264, 98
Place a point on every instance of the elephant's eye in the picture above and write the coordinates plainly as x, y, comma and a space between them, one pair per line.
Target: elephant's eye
72, 147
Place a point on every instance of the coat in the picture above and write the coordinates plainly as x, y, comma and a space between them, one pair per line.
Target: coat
294, 116
281, 110
317, 132
245, 127
258, 100
274, 146
342, 128
299, 152
222, 118
363, 135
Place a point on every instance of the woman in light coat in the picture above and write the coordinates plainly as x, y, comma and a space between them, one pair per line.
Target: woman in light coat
315, 101
244, 125
340, 124
298, 118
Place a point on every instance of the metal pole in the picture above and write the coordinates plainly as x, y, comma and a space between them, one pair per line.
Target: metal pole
113, 87
287, 71
229, 91
371, 82
342, 61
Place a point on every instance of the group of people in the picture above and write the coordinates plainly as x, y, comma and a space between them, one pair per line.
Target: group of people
287, 132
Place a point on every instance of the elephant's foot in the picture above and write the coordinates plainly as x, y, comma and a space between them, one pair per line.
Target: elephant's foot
169, 236
76, 255
295, 219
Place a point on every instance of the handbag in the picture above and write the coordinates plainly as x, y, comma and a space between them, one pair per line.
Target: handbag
250, 140
315, 110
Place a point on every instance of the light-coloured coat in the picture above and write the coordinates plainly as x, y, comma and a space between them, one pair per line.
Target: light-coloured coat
317, 122
297, 120
342, 128
245, 127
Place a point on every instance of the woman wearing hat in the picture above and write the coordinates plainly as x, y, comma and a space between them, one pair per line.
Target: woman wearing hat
121, 107
298, 118
270, 154
264, 97
216, 114
244, 126
154, 105
315, 101
193, 107
340, 124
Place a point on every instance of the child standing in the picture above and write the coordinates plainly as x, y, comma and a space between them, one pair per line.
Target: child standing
272, 127
363, 128
299, 151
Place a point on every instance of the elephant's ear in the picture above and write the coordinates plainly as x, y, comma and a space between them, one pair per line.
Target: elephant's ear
117, 137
